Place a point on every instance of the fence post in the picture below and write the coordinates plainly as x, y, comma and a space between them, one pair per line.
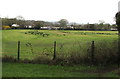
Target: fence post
92, 52
54, 56
18, 50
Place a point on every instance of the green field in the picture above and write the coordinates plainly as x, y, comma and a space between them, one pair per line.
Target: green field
40, 70
67, 42
74, 44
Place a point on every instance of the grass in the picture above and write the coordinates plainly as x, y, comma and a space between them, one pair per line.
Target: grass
40, 70
67, 41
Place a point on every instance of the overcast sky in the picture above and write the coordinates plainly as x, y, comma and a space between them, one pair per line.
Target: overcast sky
80, 11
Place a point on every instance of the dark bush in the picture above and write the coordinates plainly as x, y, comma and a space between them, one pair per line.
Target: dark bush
8, 59
41, 60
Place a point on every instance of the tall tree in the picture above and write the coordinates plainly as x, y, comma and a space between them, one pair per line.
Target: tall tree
63, 23
39, 24
101, 24
9, 21
21, 21
117, 16
20, 17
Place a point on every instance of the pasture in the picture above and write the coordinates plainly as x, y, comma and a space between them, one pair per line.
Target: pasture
33, 45
72, 46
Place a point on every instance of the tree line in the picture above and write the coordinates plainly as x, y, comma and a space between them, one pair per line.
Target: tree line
61, 24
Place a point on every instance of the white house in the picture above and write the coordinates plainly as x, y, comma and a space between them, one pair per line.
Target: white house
47, 27
15, 25
29, 26
113, 28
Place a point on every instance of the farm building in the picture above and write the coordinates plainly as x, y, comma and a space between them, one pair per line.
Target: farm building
46, 28
113, 28
29, 26
15, 25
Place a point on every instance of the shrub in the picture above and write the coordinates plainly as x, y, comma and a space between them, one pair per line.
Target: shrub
41, 59
37, 33
8, 59
105, 52
6, 27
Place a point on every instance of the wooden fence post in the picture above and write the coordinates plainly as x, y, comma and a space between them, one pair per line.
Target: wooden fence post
92, 52
18, 50
54, 56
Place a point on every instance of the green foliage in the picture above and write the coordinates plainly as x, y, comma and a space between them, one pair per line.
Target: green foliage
38, 24
117, 16
36, 32
63, 23
6, 27
8, 22
11, 21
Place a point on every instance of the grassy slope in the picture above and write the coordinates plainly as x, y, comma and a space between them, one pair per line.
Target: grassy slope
45, 44
39, 70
